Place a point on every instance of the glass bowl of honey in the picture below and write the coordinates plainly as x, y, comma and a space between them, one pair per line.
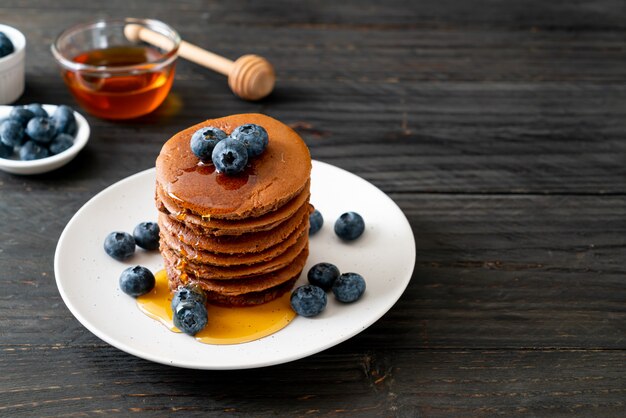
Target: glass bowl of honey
112, 76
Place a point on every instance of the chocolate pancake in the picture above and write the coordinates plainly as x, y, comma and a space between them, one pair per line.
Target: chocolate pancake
237, 244
198, 255
241, 286
271, 179
238, 271
244, 292
246, 299
214, 226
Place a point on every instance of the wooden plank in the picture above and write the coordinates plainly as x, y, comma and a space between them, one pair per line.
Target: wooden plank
491, 272
452, 138
347, 381
391, 55
555, 15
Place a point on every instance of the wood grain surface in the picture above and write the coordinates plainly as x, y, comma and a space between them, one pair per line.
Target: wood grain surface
499, 128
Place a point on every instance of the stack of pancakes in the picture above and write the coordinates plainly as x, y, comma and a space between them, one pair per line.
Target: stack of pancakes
243, 238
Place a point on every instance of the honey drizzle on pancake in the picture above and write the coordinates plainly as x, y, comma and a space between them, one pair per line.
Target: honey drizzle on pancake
234, 325
269, 180
199, 175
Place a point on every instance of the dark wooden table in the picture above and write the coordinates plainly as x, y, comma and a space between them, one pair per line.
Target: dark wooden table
499, 128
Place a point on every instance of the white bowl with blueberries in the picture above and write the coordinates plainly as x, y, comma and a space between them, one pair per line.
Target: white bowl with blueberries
12, 53
36, 138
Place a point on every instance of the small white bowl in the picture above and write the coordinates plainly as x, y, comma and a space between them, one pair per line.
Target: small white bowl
12, 67
53, 162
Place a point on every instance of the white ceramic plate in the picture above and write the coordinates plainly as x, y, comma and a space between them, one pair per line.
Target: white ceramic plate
53, 162
87, 278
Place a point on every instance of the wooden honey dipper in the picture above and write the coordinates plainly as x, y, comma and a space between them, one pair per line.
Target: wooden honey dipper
250, 77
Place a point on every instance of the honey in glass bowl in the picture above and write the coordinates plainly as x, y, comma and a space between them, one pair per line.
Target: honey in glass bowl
113, 77
121, 96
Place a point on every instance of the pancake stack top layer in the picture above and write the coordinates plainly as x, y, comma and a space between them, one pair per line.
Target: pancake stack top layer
243, 237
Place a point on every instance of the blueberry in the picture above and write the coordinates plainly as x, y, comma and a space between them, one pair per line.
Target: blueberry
37, 109
136, 281
5, 151
254, 137
60, 143
21, 114
146, 235
204, 140
6, 46
349, 226
316, 220
12, 133
33, 151
64, 120
308, 300
41, 129
119, 245
349, 287
323, 275
190, 317
189, 293
230, 156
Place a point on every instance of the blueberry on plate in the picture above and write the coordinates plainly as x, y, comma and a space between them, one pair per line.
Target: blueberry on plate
308, 300
316, 220
349, 226
6, 46
349, 287
37, 109
190, 317
12, 133
254, 137
146, 235
64, 120
323, 275
21, 114
60, 143
188, 293
204, 140
136, 281
230, 156
119, 245
41, 129
5, 151
33, 151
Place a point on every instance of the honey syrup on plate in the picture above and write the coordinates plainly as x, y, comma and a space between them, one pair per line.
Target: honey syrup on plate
226, 325
120, 96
